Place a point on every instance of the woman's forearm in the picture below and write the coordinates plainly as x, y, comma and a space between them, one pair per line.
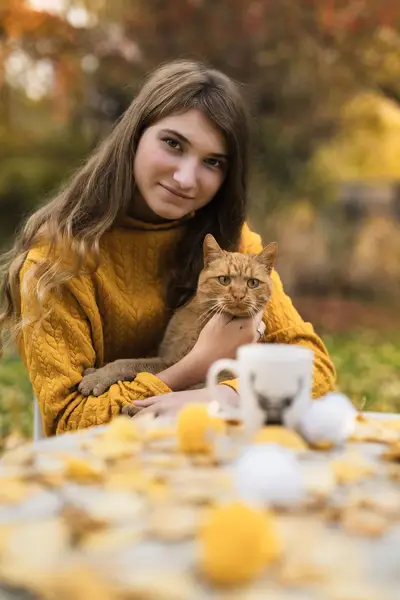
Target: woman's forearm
184, 374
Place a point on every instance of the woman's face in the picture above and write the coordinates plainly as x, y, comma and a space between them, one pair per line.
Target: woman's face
180, 164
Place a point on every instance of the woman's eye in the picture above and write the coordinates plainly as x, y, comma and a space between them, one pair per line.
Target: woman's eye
224, 280
213, 162
174, 144
253, 283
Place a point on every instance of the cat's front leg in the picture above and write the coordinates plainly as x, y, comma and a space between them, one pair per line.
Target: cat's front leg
97, 381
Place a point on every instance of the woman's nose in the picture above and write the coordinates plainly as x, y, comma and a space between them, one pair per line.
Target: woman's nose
186, 174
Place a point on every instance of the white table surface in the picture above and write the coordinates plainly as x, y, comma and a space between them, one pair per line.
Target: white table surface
380, 557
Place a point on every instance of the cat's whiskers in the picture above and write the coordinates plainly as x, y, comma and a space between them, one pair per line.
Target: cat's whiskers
252, 309
222, 308
206, 316
209, 312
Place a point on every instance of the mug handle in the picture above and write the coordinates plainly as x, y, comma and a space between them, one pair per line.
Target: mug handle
217, 406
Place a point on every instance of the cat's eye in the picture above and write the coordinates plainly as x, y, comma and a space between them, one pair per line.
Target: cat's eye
224, 279
253, 283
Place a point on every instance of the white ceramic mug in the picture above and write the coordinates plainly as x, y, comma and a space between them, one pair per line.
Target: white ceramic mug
275, 385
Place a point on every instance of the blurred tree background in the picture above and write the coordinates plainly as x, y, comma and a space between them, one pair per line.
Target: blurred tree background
322, 79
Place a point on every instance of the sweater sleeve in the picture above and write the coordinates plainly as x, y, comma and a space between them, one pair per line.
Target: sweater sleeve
56, 351
284, 325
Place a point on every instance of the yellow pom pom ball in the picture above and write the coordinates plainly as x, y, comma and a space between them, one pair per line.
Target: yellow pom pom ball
236, 543
195, 427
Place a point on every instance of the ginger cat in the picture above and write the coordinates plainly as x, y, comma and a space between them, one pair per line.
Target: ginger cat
231, 282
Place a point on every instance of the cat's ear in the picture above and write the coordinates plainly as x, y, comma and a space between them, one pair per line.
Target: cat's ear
267, 256
211, 249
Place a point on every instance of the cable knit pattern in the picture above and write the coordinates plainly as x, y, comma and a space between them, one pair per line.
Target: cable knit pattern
119, 312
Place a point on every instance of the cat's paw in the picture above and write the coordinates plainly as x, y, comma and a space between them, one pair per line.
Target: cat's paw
131, 410
95, 382
88, 371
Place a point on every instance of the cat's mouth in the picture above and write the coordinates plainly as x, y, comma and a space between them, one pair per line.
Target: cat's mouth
239, 311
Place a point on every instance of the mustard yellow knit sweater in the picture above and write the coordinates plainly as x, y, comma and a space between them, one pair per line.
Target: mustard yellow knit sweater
119, 312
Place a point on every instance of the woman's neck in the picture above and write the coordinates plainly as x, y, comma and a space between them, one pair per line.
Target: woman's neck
140, 210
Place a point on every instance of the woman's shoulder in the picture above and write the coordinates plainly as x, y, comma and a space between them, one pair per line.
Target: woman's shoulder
250, 242
44, 253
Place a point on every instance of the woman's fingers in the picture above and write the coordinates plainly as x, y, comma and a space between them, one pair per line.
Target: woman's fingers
147, 402
261, 329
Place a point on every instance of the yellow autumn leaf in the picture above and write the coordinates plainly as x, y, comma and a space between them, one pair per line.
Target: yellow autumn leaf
13, 490
351, 469
83, 470
122, 429
275, 434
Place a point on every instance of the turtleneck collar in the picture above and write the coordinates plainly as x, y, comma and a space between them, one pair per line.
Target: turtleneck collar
131, 223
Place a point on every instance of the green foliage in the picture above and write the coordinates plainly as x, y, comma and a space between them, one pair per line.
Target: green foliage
367, 364
16, 404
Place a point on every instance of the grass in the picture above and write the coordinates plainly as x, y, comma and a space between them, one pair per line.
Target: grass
367, 362
368, 367
16, 404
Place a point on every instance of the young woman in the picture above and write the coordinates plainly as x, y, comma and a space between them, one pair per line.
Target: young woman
96, 272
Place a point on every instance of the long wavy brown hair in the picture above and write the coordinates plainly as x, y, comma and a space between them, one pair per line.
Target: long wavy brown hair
102, 190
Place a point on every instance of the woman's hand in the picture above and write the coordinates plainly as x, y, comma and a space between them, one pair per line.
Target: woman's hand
170, 404
222, 336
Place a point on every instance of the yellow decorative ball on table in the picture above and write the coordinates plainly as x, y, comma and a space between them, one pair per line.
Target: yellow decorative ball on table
236, 543
195, 427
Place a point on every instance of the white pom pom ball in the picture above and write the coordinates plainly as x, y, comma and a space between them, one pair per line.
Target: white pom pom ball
331, 418
268, 474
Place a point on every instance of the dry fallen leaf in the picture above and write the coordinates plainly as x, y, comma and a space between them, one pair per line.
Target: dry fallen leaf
166, 461
84, 470
155, 487
374, 430
363, 521
80, 523
78, 582
320, 483
275, 434
201, 486
392, 453
111, 539
34, 549
393, 424
393, 472
117, 506
122, 429
351, 469
5, 532
22, 456
160, 433
112, 449
383, 501
157, 585
13, 491
173, 523
353, 590
300, 573
322, 445
134, 480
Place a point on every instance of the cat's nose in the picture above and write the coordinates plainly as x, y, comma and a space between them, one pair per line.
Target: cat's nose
238, 295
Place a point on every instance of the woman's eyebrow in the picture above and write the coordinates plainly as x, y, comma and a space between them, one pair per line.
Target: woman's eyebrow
185, 140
